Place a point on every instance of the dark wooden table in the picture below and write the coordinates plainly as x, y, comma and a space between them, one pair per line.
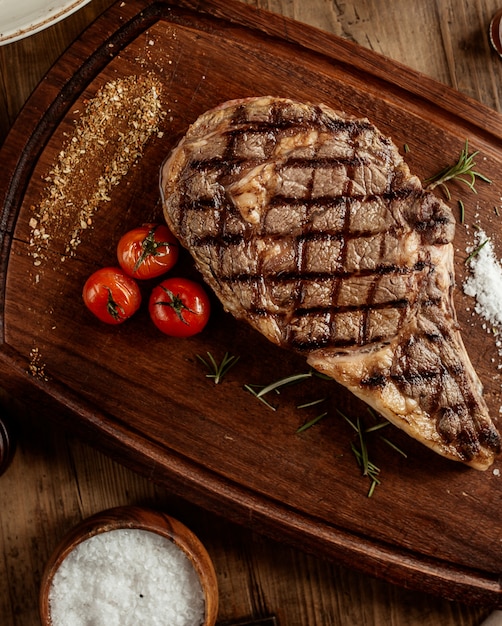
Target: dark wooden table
55, 479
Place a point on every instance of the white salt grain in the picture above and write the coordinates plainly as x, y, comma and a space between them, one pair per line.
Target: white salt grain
126, 577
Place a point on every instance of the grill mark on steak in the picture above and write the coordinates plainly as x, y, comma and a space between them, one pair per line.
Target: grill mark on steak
288, 276
229, 161
308, 225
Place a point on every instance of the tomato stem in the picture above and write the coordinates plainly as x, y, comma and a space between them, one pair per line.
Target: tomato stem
114, 309
150, 247
176, 303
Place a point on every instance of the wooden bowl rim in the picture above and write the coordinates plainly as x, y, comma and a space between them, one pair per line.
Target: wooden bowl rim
7, 442
135, 518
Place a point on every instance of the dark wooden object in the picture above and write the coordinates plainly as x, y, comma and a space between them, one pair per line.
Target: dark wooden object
7, 443
432, 525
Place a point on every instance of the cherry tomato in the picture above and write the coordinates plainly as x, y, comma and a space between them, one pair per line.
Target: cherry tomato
147, 251
179, 307
111, 295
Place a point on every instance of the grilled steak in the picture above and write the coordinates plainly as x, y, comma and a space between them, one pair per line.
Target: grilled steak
308, 224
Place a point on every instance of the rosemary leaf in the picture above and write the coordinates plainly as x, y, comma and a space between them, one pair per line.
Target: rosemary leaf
309, 404
462, 211
372, 429
364, 449
311, 423
256, 395
283, 382
321, 375
476, 251
347, 419
394, 447
374, 483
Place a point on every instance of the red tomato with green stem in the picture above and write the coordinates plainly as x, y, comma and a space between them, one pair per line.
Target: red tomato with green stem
179, 307
147, 251
111, 295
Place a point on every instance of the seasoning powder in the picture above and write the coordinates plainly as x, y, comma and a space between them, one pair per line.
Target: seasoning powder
108, 139
126, 577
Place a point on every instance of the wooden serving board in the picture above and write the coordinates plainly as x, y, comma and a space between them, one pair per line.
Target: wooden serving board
144, 398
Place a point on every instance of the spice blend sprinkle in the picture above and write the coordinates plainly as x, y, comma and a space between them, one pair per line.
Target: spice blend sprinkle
108, 139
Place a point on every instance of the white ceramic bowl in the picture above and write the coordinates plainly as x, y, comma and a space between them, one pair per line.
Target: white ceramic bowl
21, 19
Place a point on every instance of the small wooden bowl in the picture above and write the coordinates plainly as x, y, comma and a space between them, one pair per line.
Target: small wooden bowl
133, 517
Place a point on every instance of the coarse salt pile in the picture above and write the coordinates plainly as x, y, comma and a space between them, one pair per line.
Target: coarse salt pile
126, 577
485, 282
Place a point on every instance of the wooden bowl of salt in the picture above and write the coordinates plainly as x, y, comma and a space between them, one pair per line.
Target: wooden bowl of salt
129, 566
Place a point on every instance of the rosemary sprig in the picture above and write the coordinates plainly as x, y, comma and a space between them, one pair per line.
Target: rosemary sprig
218, 370
462, 171
368, 468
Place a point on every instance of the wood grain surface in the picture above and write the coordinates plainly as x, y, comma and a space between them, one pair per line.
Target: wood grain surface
349, 20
